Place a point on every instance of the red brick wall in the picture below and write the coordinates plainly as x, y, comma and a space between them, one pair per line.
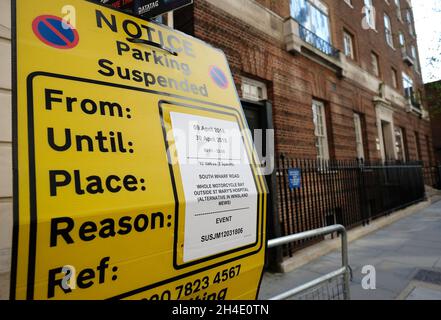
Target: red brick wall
293, 81
413, 124
433, 96
344, 17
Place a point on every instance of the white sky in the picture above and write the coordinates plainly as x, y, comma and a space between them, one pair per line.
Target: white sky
427, 14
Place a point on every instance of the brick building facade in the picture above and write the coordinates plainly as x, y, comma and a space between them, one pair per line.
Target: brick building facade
264, 43
328, 99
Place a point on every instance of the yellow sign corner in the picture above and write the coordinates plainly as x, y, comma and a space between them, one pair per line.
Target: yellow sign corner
133, 177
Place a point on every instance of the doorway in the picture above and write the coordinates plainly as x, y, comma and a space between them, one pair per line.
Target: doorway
259, 116
388, 140
255, 115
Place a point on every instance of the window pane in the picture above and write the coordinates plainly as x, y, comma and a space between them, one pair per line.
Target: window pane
408, 16
402, 41
311, 18
320, 130
399, 138
300, 11
397, 3
386, 22
388, 30
368, 13
394, 78
348, 45
407, 85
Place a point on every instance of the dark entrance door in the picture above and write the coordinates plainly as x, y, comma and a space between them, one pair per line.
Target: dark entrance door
256, 115
259, 116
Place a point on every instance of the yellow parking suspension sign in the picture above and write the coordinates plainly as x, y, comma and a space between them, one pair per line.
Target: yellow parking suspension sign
132, 178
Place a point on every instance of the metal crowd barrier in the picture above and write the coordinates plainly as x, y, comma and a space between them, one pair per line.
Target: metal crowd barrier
322, 282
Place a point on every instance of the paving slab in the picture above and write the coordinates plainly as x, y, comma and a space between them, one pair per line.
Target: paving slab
438, 264
401, 269
398, 252
385, 279
424, 294
276, 283
358, 293
4, 286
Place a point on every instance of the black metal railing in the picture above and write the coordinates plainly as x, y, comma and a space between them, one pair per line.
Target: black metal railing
432, 176
317, 42
413, 97
350, 193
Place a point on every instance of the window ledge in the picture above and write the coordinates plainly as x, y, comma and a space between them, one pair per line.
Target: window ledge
412, 109
417, 110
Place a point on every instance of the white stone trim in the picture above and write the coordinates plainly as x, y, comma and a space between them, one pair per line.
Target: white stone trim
254, 14
385, 112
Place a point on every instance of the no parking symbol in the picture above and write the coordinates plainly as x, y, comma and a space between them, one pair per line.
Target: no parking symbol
219, 77
55, 32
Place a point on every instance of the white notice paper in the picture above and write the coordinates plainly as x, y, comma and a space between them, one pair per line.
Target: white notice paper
220, 191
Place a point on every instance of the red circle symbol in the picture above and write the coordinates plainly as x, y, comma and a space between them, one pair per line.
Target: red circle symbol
55, 32
219, 77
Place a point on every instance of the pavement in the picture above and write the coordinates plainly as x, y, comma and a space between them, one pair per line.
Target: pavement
406, 256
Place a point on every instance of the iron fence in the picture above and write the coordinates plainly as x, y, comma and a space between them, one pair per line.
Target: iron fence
331, 286
313, 194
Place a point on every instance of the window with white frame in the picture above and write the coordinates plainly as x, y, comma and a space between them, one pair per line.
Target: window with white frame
388, 31
321, 136
411, 30
313, 15
402, 39
408, 16
348, 44
413, 52
407, 86
253, 90
394, 78
409, 22
369, 13
400, 146
375, 64
359, 136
